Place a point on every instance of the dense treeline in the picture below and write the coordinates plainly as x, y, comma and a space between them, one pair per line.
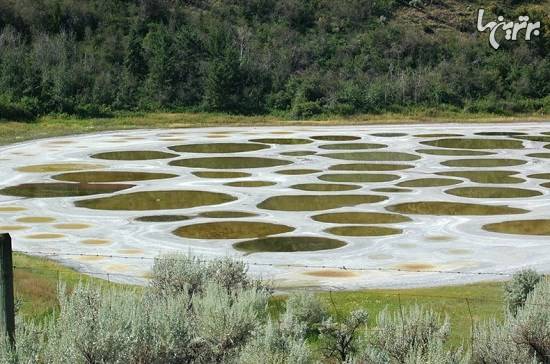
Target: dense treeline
295, 57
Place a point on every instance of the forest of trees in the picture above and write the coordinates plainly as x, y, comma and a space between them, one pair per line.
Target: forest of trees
286, 57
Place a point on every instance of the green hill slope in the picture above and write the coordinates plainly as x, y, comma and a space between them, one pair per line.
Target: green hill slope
282, 57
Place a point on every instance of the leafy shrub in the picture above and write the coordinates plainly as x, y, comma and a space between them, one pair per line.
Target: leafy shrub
523, 338
184, 273
21, 111
340, 340
278, 343
415, 335
161, 324
306, 109
306, 309
517, 290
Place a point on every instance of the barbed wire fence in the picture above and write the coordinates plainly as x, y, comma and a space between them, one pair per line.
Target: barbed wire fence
281, 265
448, 302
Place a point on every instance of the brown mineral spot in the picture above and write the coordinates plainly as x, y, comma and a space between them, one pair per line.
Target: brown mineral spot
380, 256
11, 208
35, 219
295, 172
61, 142
415, 266
9, 228
117, 268
96, 241
91, 258
439, 238
250, 184
459, 251
231, 230
521, 227
45, 236
58, 167
332, 273
130, 251
72, 226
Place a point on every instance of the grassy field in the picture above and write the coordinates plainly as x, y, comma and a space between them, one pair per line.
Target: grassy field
11, 132
464, 305
37, 279
484, 301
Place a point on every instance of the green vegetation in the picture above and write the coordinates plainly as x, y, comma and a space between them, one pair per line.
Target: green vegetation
282, 57
51, 126
197, 311
36, 281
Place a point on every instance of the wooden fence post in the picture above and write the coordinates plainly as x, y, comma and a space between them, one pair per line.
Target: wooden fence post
7, 314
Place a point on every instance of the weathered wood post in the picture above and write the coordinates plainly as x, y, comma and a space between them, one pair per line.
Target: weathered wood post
7, 314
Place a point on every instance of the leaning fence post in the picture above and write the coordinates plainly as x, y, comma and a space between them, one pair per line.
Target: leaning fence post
7, 314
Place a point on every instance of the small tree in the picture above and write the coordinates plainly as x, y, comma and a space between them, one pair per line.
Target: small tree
340, 339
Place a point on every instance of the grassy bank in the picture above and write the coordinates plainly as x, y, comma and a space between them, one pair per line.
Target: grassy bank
484, 302
11, 132
37, 279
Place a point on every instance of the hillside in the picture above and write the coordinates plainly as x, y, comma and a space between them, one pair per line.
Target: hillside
280, 57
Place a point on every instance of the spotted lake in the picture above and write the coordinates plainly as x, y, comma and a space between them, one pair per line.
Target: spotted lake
409, 206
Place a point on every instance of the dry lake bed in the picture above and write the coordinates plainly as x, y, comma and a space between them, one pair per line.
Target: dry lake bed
402, 203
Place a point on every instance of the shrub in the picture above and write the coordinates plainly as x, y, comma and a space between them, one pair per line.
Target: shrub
523, 338
306, 109
96, 326
161, 324
225, 321
12, 111
339, 340
278, 343
516, 291
185, 273
306, 309
415, 335
531, 326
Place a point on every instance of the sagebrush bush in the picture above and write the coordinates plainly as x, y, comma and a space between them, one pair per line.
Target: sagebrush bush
211, 312
278, 343
516, 291
306, 308
410, 336
225, 321
521, 338
194, 312
185, 273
